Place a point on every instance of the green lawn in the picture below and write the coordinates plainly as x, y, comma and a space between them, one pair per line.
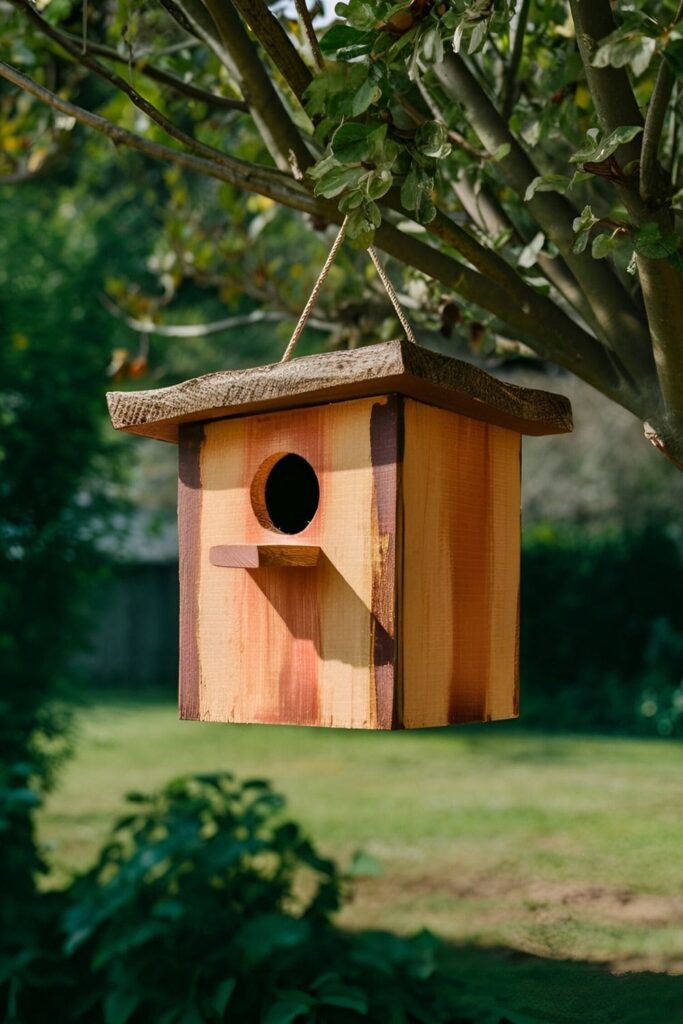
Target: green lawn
553, 867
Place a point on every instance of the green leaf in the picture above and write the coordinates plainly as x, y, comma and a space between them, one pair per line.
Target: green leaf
368, 94
120, 1005
478, 36
221, 995
354, 142
346, 41
596, 150
378, 183
582, 226
336, 179
602, 246
547, 183
618, 50
287, 1009
431, 139
649, 241
358, 13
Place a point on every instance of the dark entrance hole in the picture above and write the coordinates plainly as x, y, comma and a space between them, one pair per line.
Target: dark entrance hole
286, 494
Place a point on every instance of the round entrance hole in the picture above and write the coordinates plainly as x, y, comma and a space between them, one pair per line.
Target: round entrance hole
285, 493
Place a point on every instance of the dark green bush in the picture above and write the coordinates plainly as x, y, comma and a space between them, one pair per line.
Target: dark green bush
208, 906
602, 631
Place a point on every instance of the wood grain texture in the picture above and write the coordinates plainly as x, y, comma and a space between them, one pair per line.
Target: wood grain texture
292, 644
256, 556
189, 552
460, 498
393, 367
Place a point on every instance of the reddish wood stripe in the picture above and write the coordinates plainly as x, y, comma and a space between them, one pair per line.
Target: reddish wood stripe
189, 528
384, 431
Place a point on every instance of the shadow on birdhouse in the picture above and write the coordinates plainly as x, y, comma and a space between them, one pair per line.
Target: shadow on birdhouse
349, 537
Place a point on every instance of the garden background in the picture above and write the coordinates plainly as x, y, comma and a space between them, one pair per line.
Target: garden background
544, 854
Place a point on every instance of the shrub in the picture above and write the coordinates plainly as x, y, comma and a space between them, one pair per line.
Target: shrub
602, 630
206, 906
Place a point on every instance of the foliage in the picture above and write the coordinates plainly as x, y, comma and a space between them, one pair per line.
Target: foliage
206, 905
56, 474
464, 137
602, 631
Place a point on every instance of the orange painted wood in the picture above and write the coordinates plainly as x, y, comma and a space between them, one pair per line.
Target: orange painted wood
461, 567
289, 644
255, 556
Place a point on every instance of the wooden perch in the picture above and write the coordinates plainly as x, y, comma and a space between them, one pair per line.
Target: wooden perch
255, 556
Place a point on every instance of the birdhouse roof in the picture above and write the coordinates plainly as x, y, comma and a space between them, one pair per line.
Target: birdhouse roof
394, 367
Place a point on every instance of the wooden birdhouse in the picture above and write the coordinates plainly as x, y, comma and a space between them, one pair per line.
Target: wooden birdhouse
349, 537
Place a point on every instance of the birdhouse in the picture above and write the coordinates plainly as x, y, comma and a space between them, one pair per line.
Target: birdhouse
349, 537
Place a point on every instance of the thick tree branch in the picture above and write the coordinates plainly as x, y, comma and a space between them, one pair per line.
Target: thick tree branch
231, 44
651, 177
274, 41
613, 96
617, 317
588, 360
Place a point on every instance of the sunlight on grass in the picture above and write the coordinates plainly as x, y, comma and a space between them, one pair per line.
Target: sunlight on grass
566, 848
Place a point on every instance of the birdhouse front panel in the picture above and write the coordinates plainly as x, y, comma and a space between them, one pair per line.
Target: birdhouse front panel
287, 566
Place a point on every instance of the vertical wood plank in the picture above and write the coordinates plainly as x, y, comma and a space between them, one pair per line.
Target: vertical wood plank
189, 545
386, 424
460, 497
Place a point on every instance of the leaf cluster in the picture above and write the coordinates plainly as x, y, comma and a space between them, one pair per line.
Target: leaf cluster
207, 905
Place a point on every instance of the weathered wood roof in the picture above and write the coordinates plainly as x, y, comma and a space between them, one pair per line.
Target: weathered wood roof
394, 367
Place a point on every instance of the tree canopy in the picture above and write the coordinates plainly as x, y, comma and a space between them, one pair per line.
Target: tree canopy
521, 160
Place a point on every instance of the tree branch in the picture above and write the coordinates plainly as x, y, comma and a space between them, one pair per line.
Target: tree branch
265, 180
510, 80
307, 22
217, 24
274, 41
83, 58
614, 99
593, 364
613, 310
651, 177
156, 74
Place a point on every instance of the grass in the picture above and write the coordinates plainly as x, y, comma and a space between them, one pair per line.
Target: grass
550, 865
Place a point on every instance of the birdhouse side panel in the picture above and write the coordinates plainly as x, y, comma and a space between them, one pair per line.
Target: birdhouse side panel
461, 568
278, 641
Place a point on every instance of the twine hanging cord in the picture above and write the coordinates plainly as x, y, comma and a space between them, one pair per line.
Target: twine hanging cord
313, 298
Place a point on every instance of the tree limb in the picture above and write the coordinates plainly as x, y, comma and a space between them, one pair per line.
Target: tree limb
231, 44
651, 177
307, 22
84, 58
140, 63
265, 180
510, 79
274, 41
619, 324
613, 96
